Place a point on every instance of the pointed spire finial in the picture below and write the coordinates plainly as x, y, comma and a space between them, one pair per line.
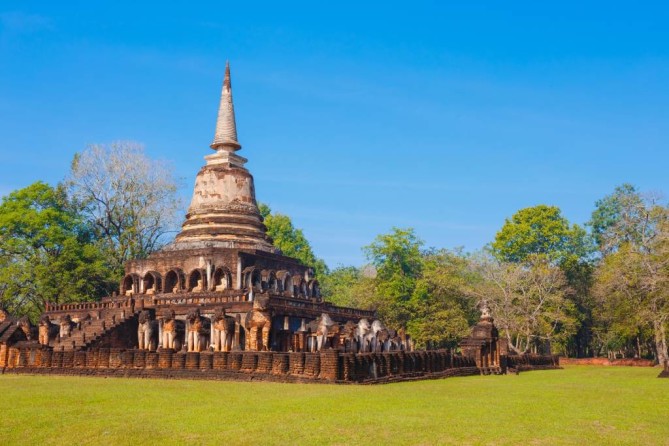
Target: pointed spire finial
226, 129
226, 80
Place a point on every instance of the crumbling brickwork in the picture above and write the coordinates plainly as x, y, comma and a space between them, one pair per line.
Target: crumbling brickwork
327, 366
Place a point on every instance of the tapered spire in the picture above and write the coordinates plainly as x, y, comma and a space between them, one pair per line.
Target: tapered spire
226, 129
223, 212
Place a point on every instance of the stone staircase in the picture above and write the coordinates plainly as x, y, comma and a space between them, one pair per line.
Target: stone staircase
93, 329
6, 330
492, 370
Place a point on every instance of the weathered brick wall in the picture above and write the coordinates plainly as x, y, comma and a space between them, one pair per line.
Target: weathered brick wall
531, 362
605, 361
326, 366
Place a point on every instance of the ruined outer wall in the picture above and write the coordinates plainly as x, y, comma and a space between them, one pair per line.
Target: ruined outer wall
522, 363
329, 366
607, 362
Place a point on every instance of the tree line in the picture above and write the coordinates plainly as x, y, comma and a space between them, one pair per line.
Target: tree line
552, 286
69, 242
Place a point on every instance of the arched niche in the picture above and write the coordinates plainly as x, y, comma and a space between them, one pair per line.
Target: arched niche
130, 284
197, 281
174, 281
303, 290
272, 283
314, 288
256, 280
288, 288
222, 279
152, 283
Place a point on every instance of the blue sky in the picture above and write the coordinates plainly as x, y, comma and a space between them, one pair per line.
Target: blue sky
443, 116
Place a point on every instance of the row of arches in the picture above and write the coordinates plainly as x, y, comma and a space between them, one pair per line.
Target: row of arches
280, 282
176, 280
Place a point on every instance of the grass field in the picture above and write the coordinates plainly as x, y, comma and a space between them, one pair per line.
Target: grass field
577, 405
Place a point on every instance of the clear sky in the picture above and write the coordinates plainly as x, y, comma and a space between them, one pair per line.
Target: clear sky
355, 116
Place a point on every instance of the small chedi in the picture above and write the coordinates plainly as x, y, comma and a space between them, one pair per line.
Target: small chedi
222, 302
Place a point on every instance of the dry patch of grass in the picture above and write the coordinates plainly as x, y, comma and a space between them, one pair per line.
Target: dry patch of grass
578, 405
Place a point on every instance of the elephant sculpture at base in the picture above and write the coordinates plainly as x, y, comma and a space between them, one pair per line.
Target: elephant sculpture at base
405, 340
258, 321
348, 337
66, 326
382, 342
326, 329
224, 331
170, 331
147, 331
47, 331
376, 329
197, 330
26, 327
362, 335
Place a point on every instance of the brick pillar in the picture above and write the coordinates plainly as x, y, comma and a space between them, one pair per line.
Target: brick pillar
3, 355
165, 358
249, 361
329, 365
103, 358
220, 361
22, 357
192, 360
151, 361
296, 361
280, 363
92, 359
46, 357
127, 358
179, 361
264, 362
114, 358
312, 364
139, 359
68, 359
80, 360
235, 361
206, 360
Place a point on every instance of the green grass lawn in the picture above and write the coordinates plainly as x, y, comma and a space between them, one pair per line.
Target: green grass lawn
578, 405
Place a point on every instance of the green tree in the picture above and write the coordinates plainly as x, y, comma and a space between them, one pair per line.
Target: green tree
129, 200
291, 240
47, 253
399, 263
632, 281
528, 300
618, 218
441, 310
349, 286
544, 231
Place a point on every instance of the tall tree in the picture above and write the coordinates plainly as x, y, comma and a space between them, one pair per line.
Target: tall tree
441, 309
343, 286
291, 240
528, 300
541, 230
399, 263
632, 281
618, 218
129, 199
47, 252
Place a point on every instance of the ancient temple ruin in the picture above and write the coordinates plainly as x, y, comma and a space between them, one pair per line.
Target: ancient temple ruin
221, 301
